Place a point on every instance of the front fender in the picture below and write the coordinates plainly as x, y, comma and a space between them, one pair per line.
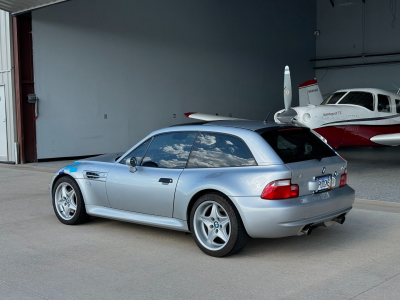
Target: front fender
93, 189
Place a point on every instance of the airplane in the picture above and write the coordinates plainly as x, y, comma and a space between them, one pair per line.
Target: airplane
348, 118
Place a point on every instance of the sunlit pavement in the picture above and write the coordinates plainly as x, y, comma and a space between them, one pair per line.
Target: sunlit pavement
40, 258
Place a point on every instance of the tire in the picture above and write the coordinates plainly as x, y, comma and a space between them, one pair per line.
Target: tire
216, 226
68, 203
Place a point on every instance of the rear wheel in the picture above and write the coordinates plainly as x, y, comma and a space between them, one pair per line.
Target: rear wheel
216, 226
68, 202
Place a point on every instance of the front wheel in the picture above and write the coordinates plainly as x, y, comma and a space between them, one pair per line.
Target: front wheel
68, 202
216, 226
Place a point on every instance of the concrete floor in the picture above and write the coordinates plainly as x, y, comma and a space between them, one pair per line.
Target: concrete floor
40, 258
374, 172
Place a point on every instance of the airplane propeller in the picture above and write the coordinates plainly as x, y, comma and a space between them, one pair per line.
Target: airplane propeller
287, 90
288, 115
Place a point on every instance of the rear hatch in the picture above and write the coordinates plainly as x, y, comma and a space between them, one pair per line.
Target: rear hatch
315, 166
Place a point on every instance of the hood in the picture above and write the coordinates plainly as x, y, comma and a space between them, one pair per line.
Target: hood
101, 163
107, 158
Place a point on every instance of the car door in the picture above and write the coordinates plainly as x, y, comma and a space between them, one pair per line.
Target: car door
151, 189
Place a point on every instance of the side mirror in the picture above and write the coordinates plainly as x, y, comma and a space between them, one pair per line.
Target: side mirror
132, 163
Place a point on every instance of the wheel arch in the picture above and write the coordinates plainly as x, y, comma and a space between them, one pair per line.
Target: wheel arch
80, 215
204, 192
59, 176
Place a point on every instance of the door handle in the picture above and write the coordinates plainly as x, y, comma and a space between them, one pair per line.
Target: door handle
165, 180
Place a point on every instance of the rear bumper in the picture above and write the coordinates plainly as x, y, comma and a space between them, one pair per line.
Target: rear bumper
280, 218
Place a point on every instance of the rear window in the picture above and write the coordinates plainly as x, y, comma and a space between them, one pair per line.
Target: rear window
297, 144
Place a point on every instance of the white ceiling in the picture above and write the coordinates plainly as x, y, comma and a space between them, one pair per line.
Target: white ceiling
20, 6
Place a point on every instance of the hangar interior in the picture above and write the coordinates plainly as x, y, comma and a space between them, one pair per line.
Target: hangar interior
368, 34
108, 73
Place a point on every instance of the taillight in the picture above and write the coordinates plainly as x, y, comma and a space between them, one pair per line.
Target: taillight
280, 189
343, 180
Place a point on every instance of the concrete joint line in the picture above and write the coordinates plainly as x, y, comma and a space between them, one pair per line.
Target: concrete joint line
375, 286
25, 290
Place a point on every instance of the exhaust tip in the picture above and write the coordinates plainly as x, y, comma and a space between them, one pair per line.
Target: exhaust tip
307, 229
340, 219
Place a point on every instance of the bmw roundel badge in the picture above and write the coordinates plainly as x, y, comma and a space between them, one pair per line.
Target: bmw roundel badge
323, 170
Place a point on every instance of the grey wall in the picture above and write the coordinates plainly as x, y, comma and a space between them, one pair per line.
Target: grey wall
341, 30
140, 62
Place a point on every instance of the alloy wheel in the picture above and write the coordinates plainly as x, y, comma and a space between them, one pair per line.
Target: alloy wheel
65, 201
212, 225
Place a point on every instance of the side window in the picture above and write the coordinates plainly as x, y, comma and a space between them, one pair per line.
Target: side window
138, 152
383, 103
359, 98
170, 150
398, 106
214, 150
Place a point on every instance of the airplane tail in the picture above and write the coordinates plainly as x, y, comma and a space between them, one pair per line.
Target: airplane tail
309, 93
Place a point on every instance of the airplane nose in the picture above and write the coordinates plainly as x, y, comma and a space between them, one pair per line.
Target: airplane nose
306, 117
287, 116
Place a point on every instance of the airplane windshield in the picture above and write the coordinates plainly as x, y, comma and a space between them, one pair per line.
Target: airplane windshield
334, 98
363, 99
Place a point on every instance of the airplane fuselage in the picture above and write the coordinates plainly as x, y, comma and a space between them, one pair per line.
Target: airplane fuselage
347, 125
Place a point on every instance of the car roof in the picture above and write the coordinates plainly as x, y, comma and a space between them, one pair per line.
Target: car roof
257, 126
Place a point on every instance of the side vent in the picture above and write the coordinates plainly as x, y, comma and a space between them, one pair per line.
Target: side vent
93, 175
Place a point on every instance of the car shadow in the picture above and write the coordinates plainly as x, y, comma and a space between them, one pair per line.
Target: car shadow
339, 238
335, 238
138, 228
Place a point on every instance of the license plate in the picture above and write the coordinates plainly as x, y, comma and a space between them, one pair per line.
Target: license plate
324, 182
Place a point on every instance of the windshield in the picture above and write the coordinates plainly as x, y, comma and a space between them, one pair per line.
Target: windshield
363, 99
334, 98
297, 144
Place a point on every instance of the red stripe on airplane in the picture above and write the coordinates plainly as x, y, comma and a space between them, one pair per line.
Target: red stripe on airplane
355, 135
308, 82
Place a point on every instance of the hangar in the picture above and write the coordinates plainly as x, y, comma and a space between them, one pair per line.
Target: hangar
102, 74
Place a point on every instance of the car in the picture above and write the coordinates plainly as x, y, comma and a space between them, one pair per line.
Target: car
223, 181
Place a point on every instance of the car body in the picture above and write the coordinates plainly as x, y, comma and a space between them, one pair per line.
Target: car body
165, 196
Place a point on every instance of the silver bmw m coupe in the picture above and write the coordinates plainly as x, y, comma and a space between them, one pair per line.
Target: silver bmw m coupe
222, 181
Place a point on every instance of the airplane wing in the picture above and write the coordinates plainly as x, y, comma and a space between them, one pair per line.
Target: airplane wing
208, 117
392, 139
